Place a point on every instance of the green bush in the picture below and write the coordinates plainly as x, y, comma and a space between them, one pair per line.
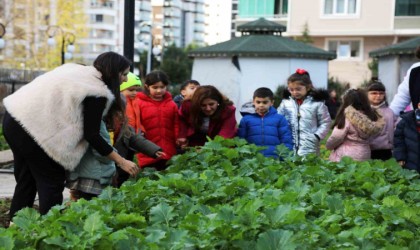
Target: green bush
3, 143
228, 196
338, 86
278, 95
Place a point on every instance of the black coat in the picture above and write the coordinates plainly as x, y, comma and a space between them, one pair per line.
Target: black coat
333, 106
406, 142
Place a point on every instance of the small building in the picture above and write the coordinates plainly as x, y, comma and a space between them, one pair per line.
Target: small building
261, 57
393, 63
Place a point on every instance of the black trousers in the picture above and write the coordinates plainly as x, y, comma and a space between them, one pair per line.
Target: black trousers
34, 170
121, 177
381, 154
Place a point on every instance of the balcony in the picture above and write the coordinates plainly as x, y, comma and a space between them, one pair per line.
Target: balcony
102, 4
406, 22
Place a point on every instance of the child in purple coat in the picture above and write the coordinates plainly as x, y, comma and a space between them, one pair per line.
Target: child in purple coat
381, 145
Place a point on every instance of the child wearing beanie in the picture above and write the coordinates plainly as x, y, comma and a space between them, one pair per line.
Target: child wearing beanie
129, 90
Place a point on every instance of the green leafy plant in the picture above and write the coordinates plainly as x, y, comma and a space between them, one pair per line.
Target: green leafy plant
226, 195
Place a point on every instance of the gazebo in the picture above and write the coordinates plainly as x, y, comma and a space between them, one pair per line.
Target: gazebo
261, 57
393, 63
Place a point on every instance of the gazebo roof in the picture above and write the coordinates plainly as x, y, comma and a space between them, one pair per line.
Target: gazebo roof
263, 25
262, 46
262, 38
403, 48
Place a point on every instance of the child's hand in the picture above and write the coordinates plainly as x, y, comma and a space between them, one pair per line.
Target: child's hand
161, 154
182, 142
402, 163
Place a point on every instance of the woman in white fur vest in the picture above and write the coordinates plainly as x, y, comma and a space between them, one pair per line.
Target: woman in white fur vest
51, 121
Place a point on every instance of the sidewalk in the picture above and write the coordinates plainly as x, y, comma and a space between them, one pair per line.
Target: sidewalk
7, 179
7, 185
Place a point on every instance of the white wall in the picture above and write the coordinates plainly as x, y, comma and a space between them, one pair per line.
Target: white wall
388, 74
317, 68
391, 72
221, 73
239, 86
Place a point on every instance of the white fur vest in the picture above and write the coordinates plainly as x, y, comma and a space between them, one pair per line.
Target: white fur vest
50, 109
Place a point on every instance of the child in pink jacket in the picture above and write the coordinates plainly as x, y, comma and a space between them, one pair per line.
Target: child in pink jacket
356, 122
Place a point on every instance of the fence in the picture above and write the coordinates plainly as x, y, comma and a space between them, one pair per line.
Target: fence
13, 79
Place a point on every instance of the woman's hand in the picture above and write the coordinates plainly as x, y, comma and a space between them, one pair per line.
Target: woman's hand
126, 165
129, 167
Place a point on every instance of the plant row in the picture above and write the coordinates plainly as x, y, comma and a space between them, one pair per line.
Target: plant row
226, 195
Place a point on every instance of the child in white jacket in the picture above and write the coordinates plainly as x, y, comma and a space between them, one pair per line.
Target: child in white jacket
411, 80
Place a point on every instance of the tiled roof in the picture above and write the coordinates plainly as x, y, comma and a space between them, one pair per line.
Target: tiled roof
261, 24
262, 38
403, 48
262, 46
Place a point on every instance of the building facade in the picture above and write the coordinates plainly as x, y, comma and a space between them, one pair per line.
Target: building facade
350, 28
171, 22
25, 37
218, 17
105, 23
179, 22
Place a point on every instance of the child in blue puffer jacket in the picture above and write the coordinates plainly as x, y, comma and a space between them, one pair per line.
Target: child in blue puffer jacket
263, 126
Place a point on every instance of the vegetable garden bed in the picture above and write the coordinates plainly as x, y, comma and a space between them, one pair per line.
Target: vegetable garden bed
227, 196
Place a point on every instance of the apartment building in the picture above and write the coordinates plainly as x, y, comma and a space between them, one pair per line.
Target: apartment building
218, 19
179, 22
106, 27
105, 22
172, 22
25, 22
350, 28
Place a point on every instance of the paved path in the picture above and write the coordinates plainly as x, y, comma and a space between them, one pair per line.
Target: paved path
8, 183
6, 157
7, 179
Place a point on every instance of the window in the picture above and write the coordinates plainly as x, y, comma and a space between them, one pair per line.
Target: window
345, 49
340, 7
281, 7
97, 18
262, 8
407, 7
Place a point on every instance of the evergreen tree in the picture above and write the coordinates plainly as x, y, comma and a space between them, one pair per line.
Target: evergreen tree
305, 38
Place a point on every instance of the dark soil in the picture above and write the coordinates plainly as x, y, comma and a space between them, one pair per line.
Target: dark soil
4, 211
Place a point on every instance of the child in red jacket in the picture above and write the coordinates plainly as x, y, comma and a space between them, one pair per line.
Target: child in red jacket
159, 118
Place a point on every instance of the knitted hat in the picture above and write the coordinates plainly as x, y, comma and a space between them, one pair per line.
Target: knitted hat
132, 80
